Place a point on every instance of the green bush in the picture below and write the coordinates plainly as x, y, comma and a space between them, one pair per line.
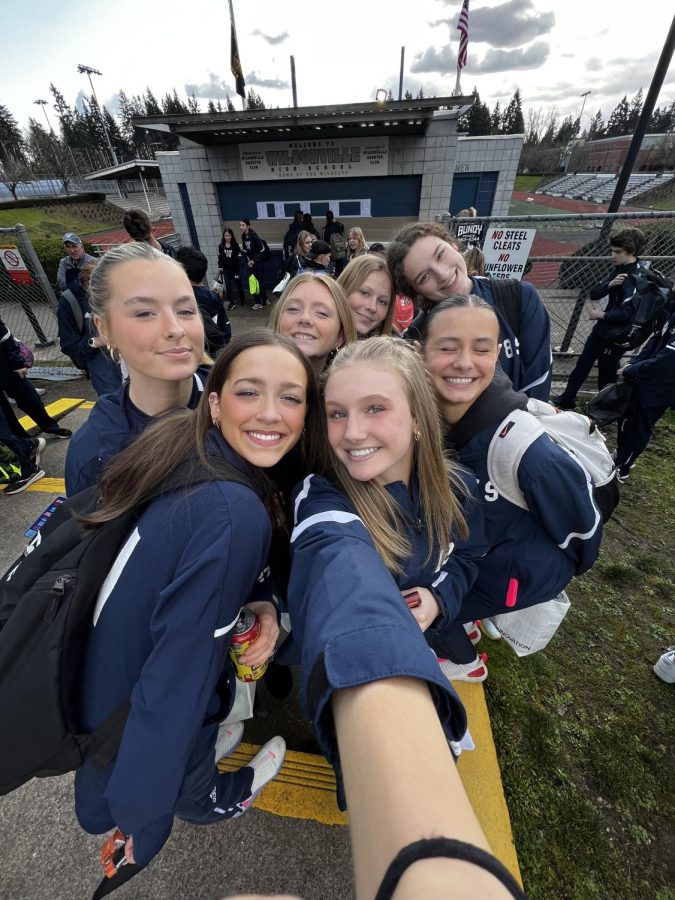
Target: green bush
93, 196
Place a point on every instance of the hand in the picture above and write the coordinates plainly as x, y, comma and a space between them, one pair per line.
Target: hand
596, 314
250, 263
129, 849
21, 372
263, 648
617, 281
428, 610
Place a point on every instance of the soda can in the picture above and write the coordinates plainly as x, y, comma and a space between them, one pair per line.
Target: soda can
246, 632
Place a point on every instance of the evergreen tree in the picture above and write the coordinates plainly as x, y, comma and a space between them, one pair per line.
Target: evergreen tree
420, 95
407, 96
219, 106
617, 124
12, 144
124, 116
66, 116
596, 129
230, 104
567, 131
390, 97
496, 119
122, 147
211, 107
150, 103
512, 120
49, 154
193, 104
634, 111
253, 100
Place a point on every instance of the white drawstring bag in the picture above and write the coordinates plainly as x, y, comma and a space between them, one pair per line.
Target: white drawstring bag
529, 630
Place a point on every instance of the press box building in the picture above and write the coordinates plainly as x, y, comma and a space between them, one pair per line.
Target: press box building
374, 165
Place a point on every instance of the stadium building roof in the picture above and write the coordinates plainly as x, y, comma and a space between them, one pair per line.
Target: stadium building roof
398, 117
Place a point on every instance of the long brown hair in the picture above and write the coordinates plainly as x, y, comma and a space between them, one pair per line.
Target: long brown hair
134, 475
400, 247
439, 484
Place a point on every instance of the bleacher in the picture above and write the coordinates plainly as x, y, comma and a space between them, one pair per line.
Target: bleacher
599, 188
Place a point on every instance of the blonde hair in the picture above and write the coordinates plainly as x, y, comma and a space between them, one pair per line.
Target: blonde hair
440, 487
347, 330
362, 248
298, 244
357, 271
475, 261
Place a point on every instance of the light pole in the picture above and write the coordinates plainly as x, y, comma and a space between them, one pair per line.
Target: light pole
584, 95
88, 71
43, 103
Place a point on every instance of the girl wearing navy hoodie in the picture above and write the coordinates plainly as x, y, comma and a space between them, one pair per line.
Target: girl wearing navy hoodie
145, 312
385, 526
165, 615
533, 553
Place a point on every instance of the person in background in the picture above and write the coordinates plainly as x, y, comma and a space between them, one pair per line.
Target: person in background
308, 225
139, 227
71, 265
426, 265
313, 312
145, 310
79, 339
229, 263
356, 243
317, 259
26, 449
652, 371
367, 285
475, 261
217, 328
625, 248
253, 251
291, 236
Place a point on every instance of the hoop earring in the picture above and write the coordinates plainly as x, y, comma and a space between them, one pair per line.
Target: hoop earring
114, 353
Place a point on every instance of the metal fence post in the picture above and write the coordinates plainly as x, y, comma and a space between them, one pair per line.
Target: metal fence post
33, 257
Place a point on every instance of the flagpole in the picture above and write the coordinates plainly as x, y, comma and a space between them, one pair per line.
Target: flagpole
463, 28
234, 54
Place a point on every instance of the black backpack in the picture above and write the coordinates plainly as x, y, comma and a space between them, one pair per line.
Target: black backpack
47, 599
649, 310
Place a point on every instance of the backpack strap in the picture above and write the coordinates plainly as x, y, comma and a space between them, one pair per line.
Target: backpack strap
506, 297
75, 307
515, 434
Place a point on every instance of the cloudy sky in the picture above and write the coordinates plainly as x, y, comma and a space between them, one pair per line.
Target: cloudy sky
552, 51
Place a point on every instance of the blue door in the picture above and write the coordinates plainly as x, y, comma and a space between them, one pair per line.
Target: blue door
475, 189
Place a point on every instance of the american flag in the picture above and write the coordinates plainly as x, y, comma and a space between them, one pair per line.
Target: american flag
463, 28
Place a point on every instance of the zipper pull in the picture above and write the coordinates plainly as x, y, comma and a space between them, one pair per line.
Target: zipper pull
57, 594
418, 526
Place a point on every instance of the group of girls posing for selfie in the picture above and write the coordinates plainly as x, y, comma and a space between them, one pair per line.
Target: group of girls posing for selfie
392, 546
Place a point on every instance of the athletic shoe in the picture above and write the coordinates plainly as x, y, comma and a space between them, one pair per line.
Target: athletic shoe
473, 671
489, 630
623, 473
39, 445
665, 666
63, 433
473, 631
16, 485
257, 306
228, 738
560, 403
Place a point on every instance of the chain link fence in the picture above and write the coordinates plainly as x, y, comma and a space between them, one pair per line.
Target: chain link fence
28, 305
569, 255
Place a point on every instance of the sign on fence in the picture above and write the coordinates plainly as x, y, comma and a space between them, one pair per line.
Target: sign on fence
16, 267
506, 251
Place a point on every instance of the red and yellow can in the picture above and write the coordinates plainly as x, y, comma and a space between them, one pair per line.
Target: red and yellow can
246, 632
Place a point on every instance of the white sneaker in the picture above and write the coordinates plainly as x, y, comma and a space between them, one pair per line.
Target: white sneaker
489, 630
473, 671
267, 763
228, 739
257, 306
665, 666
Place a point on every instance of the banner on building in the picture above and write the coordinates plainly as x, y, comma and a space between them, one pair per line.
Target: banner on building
347, 158
506, 251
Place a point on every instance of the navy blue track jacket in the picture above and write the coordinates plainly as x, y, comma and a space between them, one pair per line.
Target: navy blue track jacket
654, 368
346, 609
544, 546
161, 633
109, 429
10, 357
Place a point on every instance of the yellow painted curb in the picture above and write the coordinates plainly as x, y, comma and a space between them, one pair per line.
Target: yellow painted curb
47, 486
88, 404
479, 771
56, 410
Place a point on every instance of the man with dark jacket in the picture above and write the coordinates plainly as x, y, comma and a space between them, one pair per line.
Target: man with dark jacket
291, 236
70, 266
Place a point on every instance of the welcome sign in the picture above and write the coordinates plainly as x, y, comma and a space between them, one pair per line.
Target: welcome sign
349, 158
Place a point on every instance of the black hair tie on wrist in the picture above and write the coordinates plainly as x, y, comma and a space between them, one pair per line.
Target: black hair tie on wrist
451, 849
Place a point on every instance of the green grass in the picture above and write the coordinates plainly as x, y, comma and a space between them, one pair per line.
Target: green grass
527, 183
54, 222
666, 205
584, 730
